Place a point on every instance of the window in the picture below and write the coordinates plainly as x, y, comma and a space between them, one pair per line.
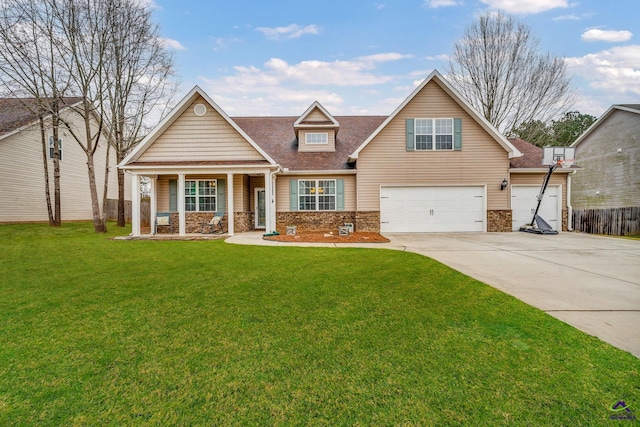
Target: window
434, 134
51, 147
200, 196
317, 138
317, 195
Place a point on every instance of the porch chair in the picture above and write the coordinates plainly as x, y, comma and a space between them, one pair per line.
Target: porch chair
163, 219
214, 226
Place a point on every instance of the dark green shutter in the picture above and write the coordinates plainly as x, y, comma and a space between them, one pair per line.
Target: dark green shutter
221, 208
293, 194
340, 194
457, 134
173, 195
411, 139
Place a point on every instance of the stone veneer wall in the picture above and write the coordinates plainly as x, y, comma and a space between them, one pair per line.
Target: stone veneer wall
314, 221
368, 221
243, 222
565, 220
194, 222
499, 221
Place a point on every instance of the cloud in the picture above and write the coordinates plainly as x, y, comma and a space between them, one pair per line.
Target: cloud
434, 4
292, 31
172, 44
524, 7
441, 57
222, 43
596, 35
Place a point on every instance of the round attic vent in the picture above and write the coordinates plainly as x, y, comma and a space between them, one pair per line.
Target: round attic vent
200, 109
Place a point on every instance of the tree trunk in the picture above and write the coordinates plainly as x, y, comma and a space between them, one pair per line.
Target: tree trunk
56, 165
45, 164
121, 201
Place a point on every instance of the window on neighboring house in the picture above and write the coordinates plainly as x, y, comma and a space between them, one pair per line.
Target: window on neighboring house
317, 195
317, 138
51, 147
200, 196
434, 134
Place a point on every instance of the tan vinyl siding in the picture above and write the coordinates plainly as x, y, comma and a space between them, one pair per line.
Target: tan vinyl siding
22, 175
385, 160
282, 190
316, 116
536, 180
615, 176
331, 141
207, 138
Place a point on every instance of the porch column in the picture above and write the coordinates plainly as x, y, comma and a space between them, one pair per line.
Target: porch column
135, 204
230, 209
182, 218
268, 196
153, 200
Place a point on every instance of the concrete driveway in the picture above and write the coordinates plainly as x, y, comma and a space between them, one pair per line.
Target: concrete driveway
590, 282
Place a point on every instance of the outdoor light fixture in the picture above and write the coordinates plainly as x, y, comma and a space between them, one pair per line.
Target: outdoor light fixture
504, 184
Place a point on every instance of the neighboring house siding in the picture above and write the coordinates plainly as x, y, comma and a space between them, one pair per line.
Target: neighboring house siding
608, 179
282, 190
385, 160
22, 176
206, 138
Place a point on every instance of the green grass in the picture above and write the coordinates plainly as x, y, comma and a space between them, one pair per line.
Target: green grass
101, 332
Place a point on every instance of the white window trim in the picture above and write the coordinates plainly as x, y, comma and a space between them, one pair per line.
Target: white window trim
310, 141
51, 147
433, 134
317, 196
198, 195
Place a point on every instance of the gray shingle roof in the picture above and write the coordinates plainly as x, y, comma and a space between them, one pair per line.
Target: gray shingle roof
18, 112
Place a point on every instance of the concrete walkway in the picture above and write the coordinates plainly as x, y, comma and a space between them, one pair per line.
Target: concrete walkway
590, 282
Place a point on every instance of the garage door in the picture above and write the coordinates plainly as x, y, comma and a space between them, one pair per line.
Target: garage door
524, 201
431, 209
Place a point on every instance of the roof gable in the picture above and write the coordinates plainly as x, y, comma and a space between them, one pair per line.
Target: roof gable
316, 116
436, 77
630, 108
177, 115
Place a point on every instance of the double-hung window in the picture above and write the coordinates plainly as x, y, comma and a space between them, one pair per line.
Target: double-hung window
51, 147
434, 134
200, 196
317, 194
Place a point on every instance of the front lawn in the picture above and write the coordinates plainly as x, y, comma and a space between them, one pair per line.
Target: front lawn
101, 332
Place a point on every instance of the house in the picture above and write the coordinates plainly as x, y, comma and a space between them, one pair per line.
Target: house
22, 171
609, 181
433, 165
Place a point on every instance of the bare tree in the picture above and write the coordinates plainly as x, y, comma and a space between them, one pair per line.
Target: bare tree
497, 67
138, 82
29, 70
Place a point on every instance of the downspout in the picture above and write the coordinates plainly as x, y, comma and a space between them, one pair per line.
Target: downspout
569, 207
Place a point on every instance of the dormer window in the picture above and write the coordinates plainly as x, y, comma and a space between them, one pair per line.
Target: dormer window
317, 138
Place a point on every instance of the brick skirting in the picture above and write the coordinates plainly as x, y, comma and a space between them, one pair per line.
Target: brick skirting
313, 221
499, 221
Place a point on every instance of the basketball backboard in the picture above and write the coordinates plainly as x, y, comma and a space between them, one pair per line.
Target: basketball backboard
551, 155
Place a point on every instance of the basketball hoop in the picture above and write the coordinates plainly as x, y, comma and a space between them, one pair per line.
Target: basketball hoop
566, 163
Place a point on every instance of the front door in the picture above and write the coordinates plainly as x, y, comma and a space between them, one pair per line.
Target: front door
261, 214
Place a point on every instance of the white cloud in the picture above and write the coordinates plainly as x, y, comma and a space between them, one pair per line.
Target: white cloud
434, 4
384, 57
595, 34
526, 6
441, 57
613, 76
222, 43
292, 31
172, 44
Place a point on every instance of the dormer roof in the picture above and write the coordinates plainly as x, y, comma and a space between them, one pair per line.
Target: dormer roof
316, 116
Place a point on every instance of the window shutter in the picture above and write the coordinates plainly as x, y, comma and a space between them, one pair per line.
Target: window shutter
293, 195
173, 195
411, 140
457, 134
340, 194
221, 199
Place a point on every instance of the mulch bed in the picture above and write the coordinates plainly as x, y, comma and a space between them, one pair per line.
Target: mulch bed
314, 237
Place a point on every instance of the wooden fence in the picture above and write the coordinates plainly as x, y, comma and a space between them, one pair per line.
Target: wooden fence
614, 221
145, 211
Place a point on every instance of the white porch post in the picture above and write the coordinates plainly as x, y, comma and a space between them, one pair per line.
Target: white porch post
181, 214
135, 204
230, 209
269, 219
153, 200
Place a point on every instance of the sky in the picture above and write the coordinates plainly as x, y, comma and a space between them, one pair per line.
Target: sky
362, 57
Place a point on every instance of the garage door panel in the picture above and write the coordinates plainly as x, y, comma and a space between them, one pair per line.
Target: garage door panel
524, 201
431, 209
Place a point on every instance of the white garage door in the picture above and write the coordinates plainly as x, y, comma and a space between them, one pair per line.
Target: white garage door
524, 201
431, 209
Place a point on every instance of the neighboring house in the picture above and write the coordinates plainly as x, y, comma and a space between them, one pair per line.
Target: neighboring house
22, 171
609, 180
433, 165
